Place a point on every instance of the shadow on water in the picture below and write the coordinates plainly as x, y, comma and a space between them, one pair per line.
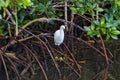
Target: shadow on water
93, 66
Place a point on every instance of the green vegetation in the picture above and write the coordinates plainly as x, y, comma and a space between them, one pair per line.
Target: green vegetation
26, 39
104, 16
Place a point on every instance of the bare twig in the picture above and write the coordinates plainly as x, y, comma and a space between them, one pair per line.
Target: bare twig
71, 31
101, 73
77, 65
65, 13
48, 20
16, 20
33, 21
10, 16
72, 68
79, 39
12, 65
60, 75
68, 63
47, 50
26, 69
9, 30
40, 65
7, 21
57, 6
104, 49
84, 17
18, 75
45, 61
62, 20
4, 66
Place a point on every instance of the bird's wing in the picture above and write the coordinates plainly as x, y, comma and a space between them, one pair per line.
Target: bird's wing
57, 35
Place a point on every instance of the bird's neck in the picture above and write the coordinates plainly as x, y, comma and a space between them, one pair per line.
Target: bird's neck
61, 31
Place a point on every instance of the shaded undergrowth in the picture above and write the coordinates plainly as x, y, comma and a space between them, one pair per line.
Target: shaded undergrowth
33, 53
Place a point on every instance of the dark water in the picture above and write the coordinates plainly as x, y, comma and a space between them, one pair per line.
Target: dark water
93, 65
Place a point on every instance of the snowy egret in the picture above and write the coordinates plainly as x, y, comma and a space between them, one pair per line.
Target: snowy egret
59, 35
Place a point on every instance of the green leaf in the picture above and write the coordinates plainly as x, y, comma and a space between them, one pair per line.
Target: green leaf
107, 37
92, 27
80, 5
117, 2
93, 13
90, 33
102, 21
0, 16
87, 28
114, 36
74, 11
108, 25
97, 33
115, 32
42, 7
103, 30
90, 6
33, 10
48, 3
96, 22
99, 9
7, 3
81, 10
109, 17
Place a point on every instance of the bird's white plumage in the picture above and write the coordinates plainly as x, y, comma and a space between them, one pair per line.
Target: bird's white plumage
59, 35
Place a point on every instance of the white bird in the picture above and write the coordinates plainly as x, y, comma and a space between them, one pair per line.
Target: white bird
59, 35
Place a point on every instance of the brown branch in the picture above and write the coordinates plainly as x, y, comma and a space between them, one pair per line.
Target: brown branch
45, 61
71, 31
65, 13
11, 63
33, 21
40, 65
84, 17
47, 50
72, 68
51, 50
10, 16
67, 62
62, 20
9, 30
7, 21
77, 65
79, 39
14, 67
48, 20
6, 71
104, 49
26, 69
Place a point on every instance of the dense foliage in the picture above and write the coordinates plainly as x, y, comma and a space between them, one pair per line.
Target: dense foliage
28, 26
102, 14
